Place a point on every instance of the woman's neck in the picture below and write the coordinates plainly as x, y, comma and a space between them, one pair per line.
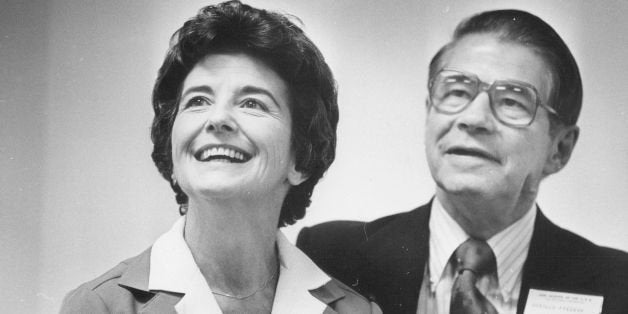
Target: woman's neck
233, 242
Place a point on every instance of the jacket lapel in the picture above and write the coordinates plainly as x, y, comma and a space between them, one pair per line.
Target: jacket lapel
328, 294
394, 260
162, 302
136, 274
135, 279
553, 263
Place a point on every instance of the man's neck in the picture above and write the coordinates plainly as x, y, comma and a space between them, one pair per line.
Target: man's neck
482, 217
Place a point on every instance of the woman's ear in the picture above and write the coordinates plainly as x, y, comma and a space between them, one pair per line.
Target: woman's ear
296, 177
562, 147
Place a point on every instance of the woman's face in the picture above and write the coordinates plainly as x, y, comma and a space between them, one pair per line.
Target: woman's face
231, 135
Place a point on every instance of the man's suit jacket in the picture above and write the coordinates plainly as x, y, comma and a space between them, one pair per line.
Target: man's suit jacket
124, 289
385, 260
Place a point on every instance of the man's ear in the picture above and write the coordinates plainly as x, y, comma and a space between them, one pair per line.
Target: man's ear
562, 146
428, 107
296, 177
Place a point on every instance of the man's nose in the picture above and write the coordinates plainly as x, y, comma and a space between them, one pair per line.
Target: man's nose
220, 119
478, 115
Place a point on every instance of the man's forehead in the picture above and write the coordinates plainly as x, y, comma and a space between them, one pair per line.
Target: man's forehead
492, 58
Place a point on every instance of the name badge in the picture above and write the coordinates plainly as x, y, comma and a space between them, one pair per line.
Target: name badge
553, 302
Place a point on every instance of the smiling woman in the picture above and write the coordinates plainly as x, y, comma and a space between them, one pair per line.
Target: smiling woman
244, 127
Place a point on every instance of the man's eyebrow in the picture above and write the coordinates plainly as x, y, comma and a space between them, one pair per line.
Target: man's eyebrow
198, 89
249, 89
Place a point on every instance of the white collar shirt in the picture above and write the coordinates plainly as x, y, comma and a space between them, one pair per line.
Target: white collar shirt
510, 247
173, 269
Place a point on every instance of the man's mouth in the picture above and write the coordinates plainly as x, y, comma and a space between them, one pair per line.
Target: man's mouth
471, 152
222, 154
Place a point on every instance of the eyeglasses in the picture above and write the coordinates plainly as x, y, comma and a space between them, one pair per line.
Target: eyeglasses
513, 103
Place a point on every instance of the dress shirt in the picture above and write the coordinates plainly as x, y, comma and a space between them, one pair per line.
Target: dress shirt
510, 247
172, 268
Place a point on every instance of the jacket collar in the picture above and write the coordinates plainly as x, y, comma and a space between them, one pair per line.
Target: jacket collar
394, 259
136, 275
135, 279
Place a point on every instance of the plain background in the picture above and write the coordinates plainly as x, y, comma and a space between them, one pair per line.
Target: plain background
79, 192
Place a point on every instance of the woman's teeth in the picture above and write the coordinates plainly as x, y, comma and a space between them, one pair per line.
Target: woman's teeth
221, 152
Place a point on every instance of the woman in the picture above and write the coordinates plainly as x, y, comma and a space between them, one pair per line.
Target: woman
244, 127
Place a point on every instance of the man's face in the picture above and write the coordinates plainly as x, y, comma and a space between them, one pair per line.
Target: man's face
471, 153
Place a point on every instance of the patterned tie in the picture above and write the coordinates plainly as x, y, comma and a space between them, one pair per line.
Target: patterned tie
473, 259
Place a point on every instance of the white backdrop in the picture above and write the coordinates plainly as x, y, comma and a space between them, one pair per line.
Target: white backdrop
80, 192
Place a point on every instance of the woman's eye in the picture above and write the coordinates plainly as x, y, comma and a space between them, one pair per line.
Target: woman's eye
253, 104
196, 102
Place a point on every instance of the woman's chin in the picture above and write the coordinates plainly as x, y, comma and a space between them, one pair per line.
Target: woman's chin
216, 192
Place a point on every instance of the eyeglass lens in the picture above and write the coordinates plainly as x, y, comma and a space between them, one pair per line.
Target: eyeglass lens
511, 102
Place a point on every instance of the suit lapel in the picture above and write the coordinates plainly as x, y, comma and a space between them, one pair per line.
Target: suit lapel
394, 260
553, 263
535, 267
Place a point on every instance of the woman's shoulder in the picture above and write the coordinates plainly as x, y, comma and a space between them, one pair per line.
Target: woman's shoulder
106, 294
352, 302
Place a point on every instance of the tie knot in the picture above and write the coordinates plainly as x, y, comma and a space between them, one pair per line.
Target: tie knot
475, 255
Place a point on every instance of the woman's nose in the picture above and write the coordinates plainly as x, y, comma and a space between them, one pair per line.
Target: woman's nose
220, 119
478, 115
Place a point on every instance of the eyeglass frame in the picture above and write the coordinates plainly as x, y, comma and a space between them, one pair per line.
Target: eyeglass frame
486, 87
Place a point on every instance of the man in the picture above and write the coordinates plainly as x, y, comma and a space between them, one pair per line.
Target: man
504, 98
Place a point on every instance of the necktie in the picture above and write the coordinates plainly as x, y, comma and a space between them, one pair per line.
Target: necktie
473, 259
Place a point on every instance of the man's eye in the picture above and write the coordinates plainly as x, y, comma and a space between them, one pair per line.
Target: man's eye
512, 103
196, 102
458, 93
508, 102
253, 104
514, 108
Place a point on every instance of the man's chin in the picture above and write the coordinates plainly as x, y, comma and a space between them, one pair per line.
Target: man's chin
468, 185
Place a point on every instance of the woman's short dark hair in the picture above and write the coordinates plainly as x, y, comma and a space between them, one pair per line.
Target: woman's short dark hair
531, 31
235, 27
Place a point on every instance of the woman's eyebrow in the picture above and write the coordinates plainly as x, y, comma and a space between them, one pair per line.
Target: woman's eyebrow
198, 89
248, 89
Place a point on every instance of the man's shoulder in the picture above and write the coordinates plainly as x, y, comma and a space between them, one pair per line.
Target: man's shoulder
561, 242
601, 257
341, 233
334, 246
104, 293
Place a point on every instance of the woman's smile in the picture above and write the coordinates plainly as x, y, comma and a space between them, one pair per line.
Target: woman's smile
222, 153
